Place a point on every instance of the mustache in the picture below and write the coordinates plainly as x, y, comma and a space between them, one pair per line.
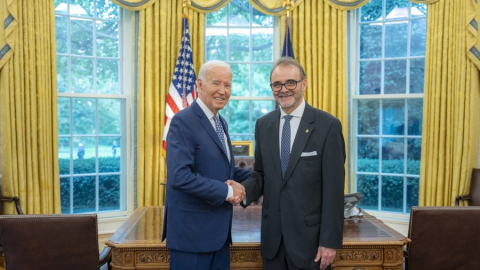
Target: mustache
285, 94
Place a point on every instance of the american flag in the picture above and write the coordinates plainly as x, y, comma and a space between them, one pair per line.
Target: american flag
182, 89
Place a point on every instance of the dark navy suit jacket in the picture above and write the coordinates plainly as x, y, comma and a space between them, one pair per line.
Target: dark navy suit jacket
197, 218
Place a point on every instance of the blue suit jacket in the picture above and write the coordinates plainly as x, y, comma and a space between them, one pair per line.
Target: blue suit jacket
197, 218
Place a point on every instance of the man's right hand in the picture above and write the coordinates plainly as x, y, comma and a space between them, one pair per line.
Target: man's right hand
238, 192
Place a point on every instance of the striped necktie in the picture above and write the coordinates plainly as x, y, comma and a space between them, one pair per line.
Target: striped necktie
285, 149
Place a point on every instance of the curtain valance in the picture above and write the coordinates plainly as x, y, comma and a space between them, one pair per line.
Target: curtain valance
134, 4
347, 4
274, 8
473, 39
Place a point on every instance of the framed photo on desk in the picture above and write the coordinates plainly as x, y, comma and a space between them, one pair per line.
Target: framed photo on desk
242, 148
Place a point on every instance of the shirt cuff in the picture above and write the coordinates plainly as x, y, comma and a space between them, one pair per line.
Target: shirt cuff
230, 192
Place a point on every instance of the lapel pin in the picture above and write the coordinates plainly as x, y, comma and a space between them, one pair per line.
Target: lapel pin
306, 131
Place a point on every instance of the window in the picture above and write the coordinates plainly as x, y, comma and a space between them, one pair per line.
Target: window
91, 106
243, 37
387, 103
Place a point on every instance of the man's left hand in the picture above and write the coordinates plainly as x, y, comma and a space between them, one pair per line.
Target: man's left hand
326, 255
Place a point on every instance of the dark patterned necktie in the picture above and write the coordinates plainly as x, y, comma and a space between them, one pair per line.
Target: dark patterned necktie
219, 130
285, 148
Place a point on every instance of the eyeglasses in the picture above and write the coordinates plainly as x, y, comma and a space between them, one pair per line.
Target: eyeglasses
289, 85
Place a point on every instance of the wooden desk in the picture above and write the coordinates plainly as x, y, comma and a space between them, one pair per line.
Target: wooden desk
368, 244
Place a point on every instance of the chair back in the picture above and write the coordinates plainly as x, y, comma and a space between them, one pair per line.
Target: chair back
46, 242
14, 200
444, 238
475, 188
245, 162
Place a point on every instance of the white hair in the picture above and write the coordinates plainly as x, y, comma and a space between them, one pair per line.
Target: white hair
208, 65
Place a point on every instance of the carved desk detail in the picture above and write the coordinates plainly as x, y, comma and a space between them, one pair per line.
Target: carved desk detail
368, 244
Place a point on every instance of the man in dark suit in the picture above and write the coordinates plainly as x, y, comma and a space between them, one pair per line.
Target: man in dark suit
299, 170
198, 217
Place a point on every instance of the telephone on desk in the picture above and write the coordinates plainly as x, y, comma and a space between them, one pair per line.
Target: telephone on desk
350, 201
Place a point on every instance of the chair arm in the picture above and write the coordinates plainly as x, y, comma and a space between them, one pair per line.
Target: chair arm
16, 200
461, 197
105, 256
406, 255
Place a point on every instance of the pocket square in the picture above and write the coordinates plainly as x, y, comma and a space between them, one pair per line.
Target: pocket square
309, 154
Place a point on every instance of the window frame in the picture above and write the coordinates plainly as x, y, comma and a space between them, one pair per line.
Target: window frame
354, 60
276, 50
110, 220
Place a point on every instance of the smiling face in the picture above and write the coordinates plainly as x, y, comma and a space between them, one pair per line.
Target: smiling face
289, 100
216, 88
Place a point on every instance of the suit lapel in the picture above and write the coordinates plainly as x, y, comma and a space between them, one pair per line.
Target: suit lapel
303, 133
274, 143
229, 145
208, 126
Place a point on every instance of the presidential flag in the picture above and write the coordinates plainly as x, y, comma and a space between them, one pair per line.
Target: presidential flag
182, 89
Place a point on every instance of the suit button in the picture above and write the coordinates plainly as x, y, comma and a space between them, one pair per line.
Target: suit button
282, 189
229, 206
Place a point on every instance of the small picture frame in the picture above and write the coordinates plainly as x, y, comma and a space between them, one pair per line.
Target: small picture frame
242, 148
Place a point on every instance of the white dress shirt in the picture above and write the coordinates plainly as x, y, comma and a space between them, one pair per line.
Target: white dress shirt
294, 123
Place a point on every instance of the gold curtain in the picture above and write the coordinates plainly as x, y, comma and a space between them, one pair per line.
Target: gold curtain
319, 43
8, 15
451, 107
28, 123
158, 32
473, 38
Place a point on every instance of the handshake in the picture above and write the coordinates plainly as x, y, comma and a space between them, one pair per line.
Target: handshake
238, 192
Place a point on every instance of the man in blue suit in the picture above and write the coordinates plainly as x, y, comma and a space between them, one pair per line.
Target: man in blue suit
198, 212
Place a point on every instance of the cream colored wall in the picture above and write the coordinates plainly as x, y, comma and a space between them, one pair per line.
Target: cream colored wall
102, 238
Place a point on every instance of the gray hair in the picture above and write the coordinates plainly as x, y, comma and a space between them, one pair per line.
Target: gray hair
288, 61
208, 65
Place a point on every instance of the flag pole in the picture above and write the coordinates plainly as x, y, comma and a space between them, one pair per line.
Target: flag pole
184, 7
288, 4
